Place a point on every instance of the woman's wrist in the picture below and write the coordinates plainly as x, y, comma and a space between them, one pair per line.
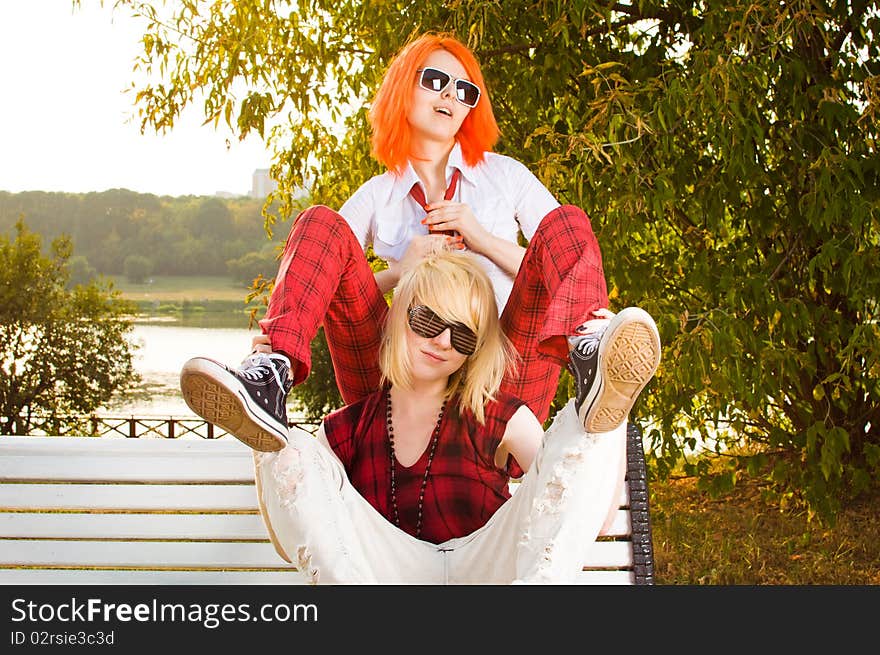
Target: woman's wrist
388, 278
505, 254
480, 243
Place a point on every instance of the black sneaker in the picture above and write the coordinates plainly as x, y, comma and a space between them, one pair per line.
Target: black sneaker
611, 366
248, 402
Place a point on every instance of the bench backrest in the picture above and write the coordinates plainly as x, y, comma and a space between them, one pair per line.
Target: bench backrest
83, 510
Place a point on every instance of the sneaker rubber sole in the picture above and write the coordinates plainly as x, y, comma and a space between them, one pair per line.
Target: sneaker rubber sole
629, 355
214, 394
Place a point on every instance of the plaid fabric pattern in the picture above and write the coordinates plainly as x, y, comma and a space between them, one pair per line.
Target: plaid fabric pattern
324, 277
560, 283
464, 487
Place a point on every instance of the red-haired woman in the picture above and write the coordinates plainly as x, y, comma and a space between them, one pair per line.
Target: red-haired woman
433, 128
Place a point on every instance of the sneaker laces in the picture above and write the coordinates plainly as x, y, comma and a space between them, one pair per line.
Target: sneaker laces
586, 344
258, 361
587, 336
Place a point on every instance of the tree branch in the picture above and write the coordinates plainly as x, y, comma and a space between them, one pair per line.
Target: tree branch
633, 16
855, 16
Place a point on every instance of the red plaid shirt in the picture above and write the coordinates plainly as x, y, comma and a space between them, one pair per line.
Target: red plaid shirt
464, 487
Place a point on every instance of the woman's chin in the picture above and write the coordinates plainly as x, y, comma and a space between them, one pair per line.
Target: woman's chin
430, 371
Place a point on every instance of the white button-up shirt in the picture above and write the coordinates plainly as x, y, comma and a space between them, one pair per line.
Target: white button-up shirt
502, 193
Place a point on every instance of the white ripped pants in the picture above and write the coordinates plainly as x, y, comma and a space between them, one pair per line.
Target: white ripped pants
541, 535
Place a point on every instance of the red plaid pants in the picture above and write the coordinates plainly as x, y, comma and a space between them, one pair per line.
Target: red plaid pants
559, 284
324, 277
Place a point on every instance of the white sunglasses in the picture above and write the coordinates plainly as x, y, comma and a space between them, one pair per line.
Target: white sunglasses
434, 79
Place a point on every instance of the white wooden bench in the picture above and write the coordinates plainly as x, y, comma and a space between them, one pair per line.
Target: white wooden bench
84, 510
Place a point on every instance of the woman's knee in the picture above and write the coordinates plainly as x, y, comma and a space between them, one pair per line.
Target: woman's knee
565, 218
319, 217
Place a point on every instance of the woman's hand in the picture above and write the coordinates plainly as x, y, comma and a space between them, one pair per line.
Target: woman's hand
420, 247
458, 216
261, 344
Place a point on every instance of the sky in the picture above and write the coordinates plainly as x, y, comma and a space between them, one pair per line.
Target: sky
66, 125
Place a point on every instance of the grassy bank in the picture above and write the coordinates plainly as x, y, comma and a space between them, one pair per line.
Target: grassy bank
739, 539
170, 288
202, 301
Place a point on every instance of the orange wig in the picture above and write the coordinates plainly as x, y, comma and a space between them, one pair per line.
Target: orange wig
391, 131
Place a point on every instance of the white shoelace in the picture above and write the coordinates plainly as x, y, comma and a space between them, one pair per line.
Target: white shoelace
258, 361
588, 335
586, 344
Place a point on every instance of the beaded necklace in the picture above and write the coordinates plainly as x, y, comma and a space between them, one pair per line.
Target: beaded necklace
435, 437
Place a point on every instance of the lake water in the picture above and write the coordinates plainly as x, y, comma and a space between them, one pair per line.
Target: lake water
164, 348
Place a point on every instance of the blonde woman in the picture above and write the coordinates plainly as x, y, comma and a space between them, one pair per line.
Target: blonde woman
409, 484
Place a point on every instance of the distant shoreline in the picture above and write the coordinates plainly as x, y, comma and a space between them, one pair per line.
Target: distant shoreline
179, 288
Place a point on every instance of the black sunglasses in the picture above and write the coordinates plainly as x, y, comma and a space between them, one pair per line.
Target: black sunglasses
434, 79
425, 323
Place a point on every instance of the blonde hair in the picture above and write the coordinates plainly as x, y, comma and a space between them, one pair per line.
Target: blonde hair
457, 288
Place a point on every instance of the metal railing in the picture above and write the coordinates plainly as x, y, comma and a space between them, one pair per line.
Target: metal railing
130, 427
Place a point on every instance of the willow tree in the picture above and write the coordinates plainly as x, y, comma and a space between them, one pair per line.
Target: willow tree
725, 150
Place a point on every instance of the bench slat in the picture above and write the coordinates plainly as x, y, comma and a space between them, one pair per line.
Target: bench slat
148, 554
135, 460
199, 497
620, 526
162, 526
604, 578
132, 526
140, 577
623, 501
26, 552
60, 496
129, 577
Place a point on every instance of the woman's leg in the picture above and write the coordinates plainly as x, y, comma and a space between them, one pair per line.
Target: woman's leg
544, 532
560, 284
318, 521
324, 278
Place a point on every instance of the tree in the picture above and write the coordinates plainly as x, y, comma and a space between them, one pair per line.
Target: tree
80, 271
318, 394
213, 220
137, 268
251, 265
726, 152
63, 352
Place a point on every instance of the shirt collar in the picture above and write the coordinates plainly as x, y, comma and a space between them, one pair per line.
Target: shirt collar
404, 182
456, 160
